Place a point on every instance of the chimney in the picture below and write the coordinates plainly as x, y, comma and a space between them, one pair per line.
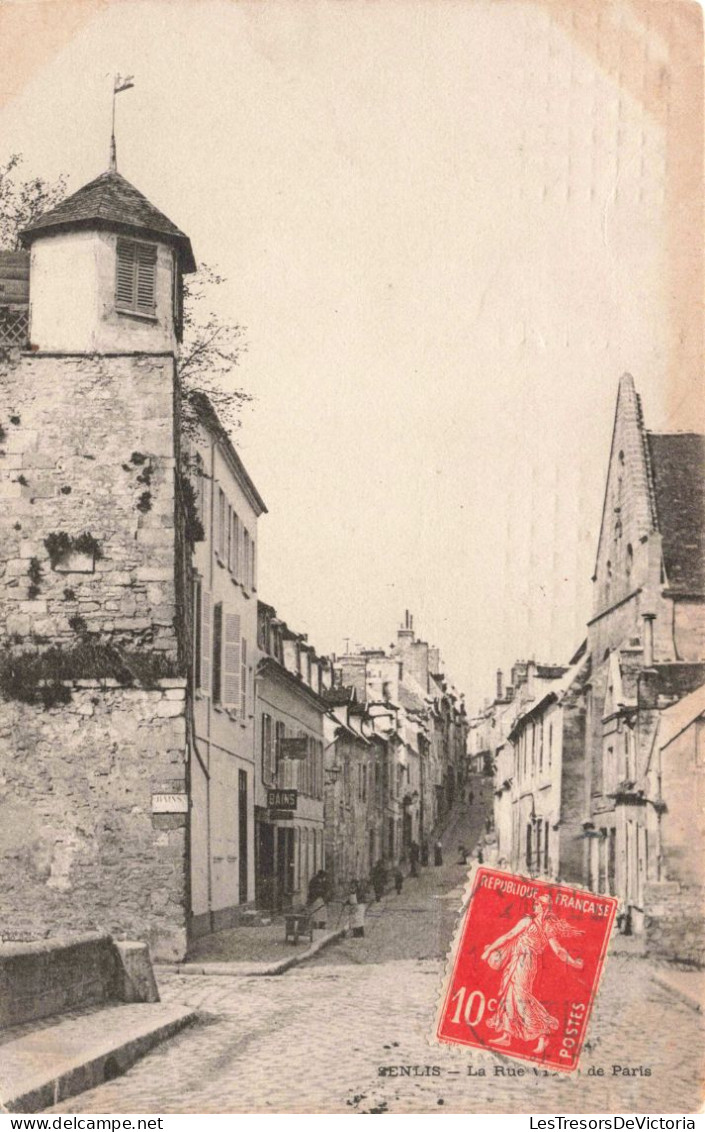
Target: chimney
406, 634
648, 619
500, 684
530, 679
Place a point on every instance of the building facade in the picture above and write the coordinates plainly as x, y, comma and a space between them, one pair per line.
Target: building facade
290, 705
418, 725
223, 659
646, 641
548, 751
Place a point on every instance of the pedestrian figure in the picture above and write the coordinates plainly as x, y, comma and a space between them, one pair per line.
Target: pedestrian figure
414, 858
480, 857
424, 854
463, 855
438, 854
379, 879
488, 825
398, 880
471, 798
356, 913
318, 898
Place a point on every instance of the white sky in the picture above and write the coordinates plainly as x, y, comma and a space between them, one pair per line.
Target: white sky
448, 228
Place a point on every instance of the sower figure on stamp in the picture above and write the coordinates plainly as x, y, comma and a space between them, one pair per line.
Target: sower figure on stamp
518, 954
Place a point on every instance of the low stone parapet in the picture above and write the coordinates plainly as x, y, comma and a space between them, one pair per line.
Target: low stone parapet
58, 975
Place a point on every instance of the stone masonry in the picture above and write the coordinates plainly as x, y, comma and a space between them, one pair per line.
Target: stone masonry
80, 848
89, 456
88, 446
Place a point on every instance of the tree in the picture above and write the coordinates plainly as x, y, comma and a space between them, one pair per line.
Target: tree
21, 202
211, 345
210, 350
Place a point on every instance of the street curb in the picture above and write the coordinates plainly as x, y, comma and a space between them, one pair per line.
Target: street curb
36, 1087
687, 999
242, 970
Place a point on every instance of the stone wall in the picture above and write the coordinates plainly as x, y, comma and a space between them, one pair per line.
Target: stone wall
573, 787
675, 922
80, 848
41, 979
88, 446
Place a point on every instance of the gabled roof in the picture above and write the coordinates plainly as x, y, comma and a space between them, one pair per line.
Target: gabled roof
560, 686
112, 202
207, 416
671, 468
629, 415
409, 699
679, 716
339, 695
678, 473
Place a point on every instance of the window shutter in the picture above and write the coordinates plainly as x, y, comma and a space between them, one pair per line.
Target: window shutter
125, 286
236, 546
231, 674
146, 262
206, 644
267, 768
243, 680
136, 281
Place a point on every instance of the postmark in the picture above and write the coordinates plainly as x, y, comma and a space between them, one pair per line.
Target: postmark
528, 959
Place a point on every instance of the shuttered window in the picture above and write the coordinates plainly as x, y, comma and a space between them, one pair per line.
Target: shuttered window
197, 631
268, 770
222, 519
218, 653
235, 562
231, 659
279, 733
243, 680
205, 682
136, 282
246, 559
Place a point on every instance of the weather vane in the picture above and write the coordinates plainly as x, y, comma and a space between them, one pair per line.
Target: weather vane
119, 85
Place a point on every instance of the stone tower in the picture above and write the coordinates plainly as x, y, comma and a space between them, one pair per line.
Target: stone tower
93, 601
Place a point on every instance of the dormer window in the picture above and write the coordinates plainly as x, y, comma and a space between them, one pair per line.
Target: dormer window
136, 277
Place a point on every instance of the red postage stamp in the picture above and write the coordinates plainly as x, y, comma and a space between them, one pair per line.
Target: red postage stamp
527, 967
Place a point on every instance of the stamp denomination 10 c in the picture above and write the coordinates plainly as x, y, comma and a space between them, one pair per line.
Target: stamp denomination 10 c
525, 973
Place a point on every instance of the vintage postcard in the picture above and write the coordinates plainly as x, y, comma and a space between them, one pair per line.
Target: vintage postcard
352, 544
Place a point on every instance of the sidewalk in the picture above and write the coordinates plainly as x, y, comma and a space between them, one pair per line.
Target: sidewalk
47, 1061
258, 949
688, 986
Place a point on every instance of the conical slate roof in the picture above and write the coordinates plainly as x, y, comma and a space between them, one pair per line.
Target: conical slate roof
112, 202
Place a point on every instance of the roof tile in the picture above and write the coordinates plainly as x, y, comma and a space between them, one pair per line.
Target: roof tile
111, 201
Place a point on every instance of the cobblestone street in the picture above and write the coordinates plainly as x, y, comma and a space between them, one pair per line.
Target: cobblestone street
331, 1036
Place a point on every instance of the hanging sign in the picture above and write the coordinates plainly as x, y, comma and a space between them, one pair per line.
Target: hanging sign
293, 747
